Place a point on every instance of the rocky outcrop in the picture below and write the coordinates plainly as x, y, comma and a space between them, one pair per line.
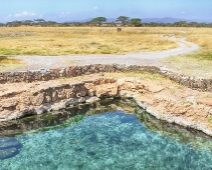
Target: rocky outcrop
38, 99
166, 101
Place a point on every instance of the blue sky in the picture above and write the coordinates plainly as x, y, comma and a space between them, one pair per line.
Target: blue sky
70, 10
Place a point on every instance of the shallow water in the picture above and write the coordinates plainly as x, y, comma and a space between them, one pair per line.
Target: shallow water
102, 136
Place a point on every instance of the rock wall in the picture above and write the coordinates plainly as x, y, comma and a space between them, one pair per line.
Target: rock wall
43, 98
165, 101
45, 75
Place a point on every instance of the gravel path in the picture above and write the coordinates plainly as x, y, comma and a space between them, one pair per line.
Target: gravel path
142, 58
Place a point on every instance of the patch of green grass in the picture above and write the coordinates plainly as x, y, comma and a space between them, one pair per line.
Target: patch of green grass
197, 64
200, 55
138, 74
9, 60
210, 119
10, 51
8, 63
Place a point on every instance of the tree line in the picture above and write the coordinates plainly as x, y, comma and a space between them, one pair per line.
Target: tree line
102, 21
99, 21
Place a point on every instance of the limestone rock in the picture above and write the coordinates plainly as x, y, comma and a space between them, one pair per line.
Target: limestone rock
81, 91
69, 93
107, 90
91, 92
207, 101
25, 98
48, 99
92, 99
154, 88
61, 94
54, 96
9, 102
39, 99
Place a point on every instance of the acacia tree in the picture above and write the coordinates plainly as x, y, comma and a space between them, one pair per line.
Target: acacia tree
41, 22
99, 20
27, 22
180, 24
136, 22
123, 19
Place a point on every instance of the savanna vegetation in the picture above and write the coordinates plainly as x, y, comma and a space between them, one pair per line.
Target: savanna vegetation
77, 40
40, 37
197, 63
102, 21
98, 21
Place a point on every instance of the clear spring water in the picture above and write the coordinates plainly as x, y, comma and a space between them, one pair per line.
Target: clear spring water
101, 136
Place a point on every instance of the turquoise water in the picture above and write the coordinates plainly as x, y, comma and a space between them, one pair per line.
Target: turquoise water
111, 140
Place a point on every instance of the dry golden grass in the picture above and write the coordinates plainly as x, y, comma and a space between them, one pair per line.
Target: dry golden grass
189, 65
104, 40
198, 63
83, 40
142, 75
200, 36
9, 63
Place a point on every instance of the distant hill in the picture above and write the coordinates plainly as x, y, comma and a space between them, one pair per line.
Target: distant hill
207, 21
162, 20
172, 20
89, 19
146, 20
158, 20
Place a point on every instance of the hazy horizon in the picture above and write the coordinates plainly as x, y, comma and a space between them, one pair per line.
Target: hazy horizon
64, 10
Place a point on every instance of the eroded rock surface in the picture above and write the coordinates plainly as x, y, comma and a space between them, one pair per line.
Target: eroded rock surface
167, 101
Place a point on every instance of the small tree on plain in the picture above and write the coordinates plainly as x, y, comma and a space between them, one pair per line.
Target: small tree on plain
135, 22
123, 19
99, 20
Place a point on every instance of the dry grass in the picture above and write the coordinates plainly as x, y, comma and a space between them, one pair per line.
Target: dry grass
83, 40
198, 63
86, 40
156, 78
200, 36
187, 64
9, 63
143, 75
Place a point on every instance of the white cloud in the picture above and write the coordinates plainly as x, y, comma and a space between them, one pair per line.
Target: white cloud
24, 14
64, 14
96, 7
183, 12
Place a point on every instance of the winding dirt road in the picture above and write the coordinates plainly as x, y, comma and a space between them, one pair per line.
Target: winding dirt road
142, 58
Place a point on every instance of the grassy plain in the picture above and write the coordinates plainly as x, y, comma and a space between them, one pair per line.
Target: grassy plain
197, 63
55, 41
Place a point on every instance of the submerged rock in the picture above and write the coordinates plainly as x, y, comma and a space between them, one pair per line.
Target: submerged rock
9, 147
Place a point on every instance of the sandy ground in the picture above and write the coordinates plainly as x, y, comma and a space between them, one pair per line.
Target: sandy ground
142, 58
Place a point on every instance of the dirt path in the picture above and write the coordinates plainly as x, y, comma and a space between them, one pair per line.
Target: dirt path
142, 58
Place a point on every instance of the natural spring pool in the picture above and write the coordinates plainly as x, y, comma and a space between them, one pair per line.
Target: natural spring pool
101, 136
